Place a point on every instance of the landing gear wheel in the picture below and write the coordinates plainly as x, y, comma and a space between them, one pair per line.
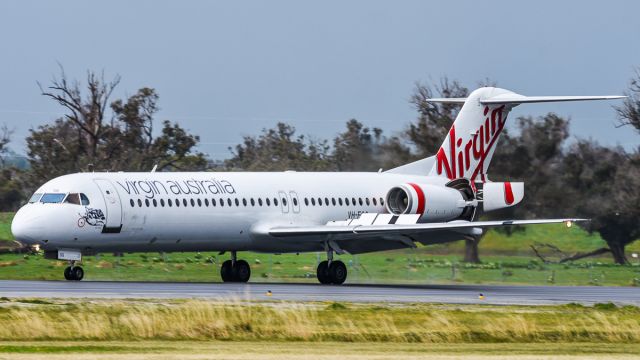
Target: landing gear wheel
338, 272
67, 273
323, 273
226, 271
74, 273
242, 271
77, 273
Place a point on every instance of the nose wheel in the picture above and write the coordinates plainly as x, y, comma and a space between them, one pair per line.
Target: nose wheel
73, 273
235, 270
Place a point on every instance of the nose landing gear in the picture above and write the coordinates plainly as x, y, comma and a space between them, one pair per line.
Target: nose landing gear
73, 273
235, 270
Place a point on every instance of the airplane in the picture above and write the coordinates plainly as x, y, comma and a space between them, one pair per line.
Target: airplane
434, 200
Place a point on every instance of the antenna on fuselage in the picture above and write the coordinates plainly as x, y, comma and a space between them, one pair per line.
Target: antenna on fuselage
155, 167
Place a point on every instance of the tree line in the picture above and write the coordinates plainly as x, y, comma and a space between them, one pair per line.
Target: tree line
580, 178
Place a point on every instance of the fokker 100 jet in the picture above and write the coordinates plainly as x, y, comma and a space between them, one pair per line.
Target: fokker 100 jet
434, 200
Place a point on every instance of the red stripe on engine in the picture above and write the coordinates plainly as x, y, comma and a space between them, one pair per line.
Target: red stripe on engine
508, 193
420, 193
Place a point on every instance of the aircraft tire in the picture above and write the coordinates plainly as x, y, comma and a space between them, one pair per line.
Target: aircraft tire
242, 271
226, 271
77, 273
323, 273
337, 272
67, 273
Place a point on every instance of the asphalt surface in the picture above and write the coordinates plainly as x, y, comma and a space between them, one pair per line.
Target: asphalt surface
459, 294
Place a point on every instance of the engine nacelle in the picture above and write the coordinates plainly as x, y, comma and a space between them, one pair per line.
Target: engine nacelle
499, 195
434, 203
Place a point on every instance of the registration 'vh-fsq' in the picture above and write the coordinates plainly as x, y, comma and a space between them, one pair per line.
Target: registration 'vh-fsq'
434, 200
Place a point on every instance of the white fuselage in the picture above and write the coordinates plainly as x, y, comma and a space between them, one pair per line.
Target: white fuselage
204, 211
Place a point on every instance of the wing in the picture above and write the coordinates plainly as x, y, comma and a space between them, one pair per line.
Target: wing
386, 224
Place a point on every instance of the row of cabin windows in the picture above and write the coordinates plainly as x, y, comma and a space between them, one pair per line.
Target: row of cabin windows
253, 202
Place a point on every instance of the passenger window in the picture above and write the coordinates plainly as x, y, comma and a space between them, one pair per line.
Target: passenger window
177, 202
199, 203
229, 202
206, 202
360, 201
374, 202
169, 202
275, 202
213, 202
244, 201
353, 201
193, 202
139, 203
146, 202
346, 201
284, 202
52, 198
326, 201
367, 200
268, 201
253, 203
35, 197
340, 201
72, 199
155, 203
295, 202
381, 201
319, 202
184, 202
260, 201
237, 202
333, 201
162, 202
313, 201
221, 202
132, 203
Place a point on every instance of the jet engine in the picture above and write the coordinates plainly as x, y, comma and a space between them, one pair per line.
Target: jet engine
434, 203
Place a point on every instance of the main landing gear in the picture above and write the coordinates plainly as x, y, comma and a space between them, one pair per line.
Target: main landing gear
73, 273
235, 270
331, 271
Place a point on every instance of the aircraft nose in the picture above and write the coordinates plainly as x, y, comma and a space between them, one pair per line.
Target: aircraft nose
24, 227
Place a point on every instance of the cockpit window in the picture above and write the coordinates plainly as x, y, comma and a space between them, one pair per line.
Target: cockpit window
73, 199
77, 199
52, 198
35, 197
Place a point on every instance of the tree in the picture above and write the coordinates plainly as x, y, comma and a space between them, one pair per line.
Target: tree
601, 183
434, 119
358, 148
83, 138
279, 149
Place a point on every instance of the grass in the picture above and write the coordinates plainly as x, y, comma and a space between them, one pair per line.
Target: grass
196, 320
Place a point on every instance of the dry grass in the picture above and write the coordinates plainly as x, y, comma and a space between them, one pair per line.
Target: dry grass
239, 321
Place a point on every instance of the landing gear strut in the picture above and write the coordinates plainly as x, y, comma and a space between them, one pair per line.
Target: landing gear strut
72, 272
331, 271
235, 270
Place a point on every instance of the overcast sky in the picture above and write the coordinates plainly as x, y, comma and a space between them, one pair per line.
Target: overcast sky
228, 69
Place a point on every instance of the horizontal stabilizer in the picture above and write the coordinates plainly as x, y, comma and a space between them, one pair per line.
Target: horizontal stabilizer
515, 99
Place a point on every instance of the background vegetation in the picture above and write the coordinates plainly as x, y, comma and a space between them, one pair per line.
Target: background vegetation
586, 178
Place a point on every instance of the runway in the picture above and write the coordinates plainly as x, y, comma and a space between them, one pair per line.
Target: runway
457, 294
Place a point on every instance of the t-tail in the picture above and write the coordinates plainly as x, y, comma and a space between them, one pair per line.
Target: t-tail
469, 146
